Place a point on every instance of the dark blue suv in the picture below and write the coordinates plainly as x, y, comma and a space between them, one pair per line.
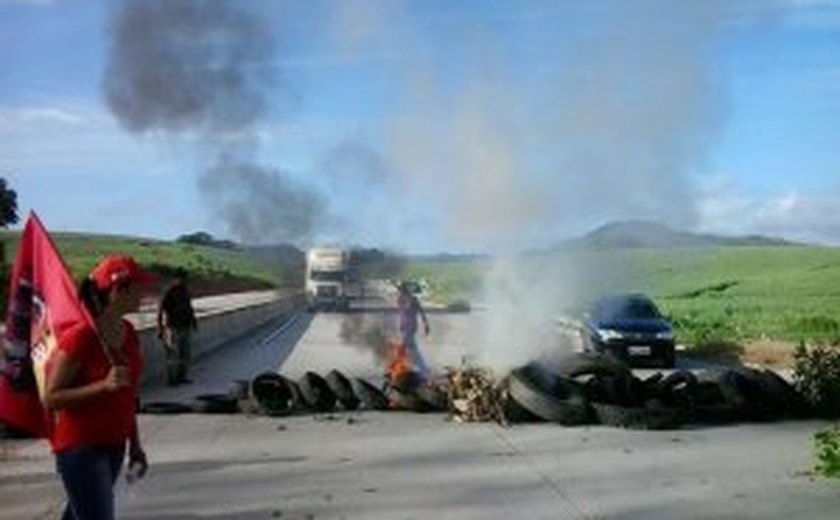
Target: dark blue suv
629, 327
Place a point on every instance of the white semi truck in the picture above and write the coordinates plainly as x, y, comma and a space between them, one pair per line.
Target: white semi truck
331, 279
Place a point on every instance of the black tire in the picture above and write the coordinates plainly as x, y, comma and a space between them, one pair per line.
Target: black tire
652, 381
165, 408
215, 403
591, 363
407, 381
787, 400
669, 358
679, 389
406, 400
743, 391
708, 393
528, 388
516, 413
372, 398
316, 393
639, 418
622, 390
433, 397
343, 390
272, 394
297, 397
239, 389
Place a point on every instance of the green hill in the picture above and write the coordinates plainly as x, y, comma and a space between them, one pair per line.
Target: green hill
713, 294
211, 270
645, 234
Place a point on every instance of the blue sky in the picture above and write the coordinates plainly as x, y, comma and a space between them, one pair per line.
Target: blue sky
425, 125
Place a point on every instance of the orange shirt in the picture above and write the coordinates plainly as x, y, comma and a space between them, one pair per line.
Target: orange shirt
106, 419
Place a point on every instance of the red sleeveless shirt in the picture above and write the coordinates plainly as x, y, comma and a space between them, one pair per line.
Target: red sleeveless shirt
105, 420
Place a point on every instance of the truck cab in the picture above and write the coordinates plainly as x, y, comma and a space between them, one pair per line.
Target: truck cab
329, 279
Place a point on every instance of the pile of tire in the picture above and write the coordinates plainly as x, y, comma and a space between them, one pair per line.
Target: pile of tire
411, 392
274, 395
594, 389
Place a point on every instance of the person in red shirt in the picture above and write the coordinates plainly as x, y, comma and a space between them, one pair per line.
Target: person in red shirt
92, 386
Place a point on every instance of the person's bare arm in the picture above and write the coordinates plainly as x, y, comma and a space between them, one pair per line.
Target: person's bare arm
136, 453
60, 394
423, 317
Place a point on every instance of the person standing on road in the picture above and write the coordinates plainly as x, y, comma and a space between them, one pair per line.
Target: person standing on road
176, 323
92, 387
409, 310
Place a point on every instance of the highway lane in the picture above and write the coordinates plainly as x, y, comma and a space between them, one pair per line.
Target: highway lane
385, 465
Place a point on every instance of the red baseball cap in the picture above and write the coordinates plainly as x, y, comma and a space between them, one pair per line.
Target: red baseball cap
117, 268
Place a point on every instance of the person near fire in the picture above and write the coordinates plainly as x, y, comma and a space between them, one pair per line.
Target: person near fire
92, 387
175, 324
410, 311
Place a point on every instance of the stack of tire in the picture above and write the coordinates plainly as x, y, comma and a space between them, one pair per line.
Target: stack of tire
275, 395
593, 389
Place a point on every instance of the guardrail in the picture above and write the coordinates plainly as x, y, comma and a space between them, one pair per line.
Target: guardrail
220, 319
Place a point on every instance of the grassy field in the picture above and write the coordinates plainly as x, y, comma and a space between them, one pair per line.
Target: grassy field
211, 270
728, 294
713, 295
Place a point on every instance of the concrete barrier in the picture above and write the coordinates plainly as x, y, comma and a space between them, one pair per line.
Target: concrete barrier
220, 320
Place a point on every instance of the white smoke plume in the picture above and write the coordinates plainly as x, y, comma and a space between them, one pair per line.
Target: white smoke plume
610, 123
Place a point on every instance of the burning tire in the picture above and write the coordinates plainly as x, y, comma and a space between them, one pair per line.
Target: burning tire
165, 408
343, 390
548, 396
372, 398
272, 394
316, 393
406, 400
215, 403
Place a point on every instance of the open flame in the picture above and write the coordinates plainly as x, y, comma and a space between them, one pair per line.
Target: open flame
399, 364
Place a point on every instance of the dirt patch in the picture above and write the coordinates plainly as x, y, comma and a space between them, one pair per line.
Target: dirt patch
769, 353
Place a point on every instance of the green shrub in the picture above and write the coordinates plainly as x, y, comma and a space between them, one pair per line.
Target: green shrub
827, 450
816, 374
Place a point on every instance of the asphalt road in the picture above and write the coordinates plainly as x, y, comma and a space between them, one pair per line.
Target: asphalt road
400, 465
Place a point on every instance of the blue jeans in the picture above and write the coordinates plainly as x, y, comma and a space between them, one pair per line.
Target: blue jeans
89, 475
410, 344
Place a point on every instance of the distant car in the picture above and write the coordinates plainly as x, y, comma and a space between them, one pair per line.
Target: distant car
630, 328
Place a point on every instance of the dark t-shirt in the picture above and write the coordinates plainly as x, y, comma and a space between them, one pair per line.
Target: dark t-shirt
176, 306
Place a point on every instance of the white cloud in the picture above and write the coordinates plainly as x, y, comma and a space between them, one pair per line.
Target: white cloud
16, 120
66, 137
727, 207
30, 2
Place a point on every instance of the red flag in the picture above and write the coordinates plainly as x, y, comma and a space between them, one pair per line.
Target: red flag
43, 304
